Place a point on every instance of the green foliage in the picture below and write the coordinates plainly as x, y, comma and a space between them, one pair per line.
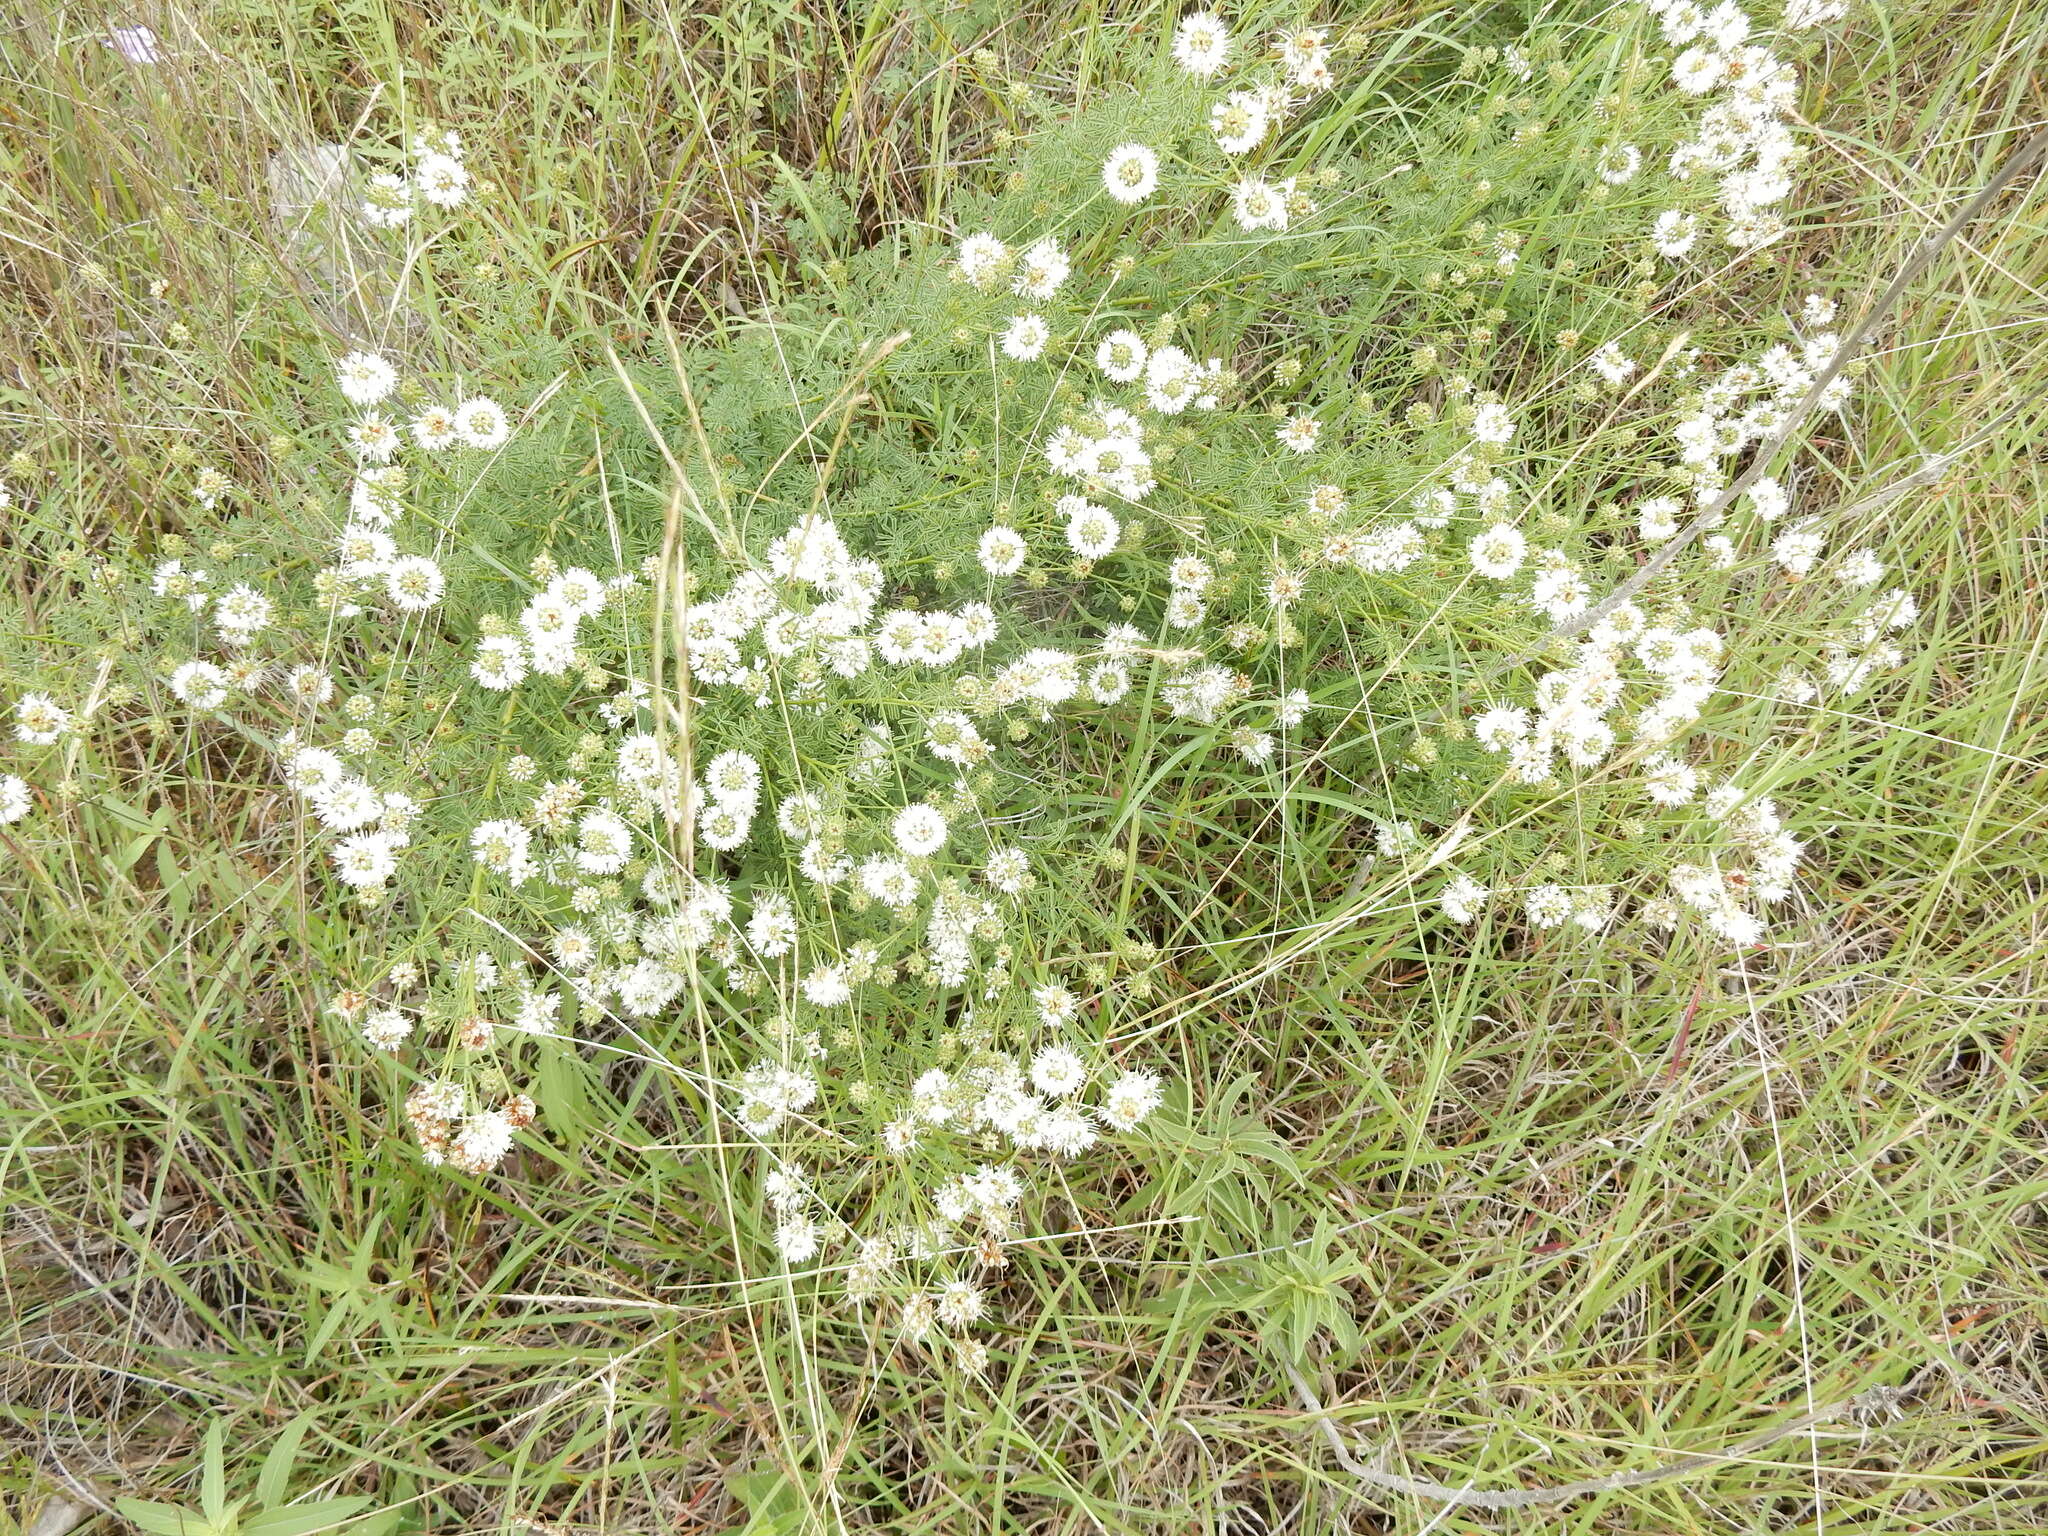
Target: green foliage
1294, 1300
1515, 1193
1227, 1166
218, 1515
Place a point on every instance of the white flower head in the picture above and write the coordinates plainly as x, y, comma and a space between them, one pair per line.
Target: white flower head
1025, 338
1001, 551
39, 719
1497, 553
200, 684
442, 180
1239, 122
434, 428
414, 583
1618, 163
482, 423
1492, 424
386, 1029
1462, 898
1122, 355
1299, 433
1698, 70
366, 860
1058, 1072
1131, 173
1041, 270
919, 830
826, 986
365, 378
1131, 1099
1257, 204
1201, 43
387, 201
981, 258
500, 662
1092, 530
374, 438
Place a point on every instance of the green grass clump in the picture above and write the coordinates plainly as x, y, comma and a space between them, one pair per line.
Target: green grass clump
1503, 1206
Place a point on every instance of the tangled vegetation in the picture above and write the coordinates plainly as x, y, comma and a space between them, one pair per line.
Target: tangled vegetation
1024, 772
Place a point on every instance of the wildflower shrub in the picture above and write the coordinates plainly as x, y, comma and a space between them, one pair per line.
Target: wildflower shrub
817, 745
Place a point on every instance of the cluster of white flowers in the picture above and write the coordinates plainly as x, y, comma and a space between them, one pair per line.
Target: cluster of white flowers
438, 177
802, 625
1582, 714
39, 721
345, 780
544, 640
1033, 1106
366, 379
832, 821
1245, 118
372, 826
1742, 137
1755, 859
1250, 116
1746, 405
1575, 711
450, 1130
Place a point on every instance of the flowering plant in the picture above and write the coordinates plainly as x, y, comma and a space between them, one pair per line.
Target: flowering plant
812, 753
